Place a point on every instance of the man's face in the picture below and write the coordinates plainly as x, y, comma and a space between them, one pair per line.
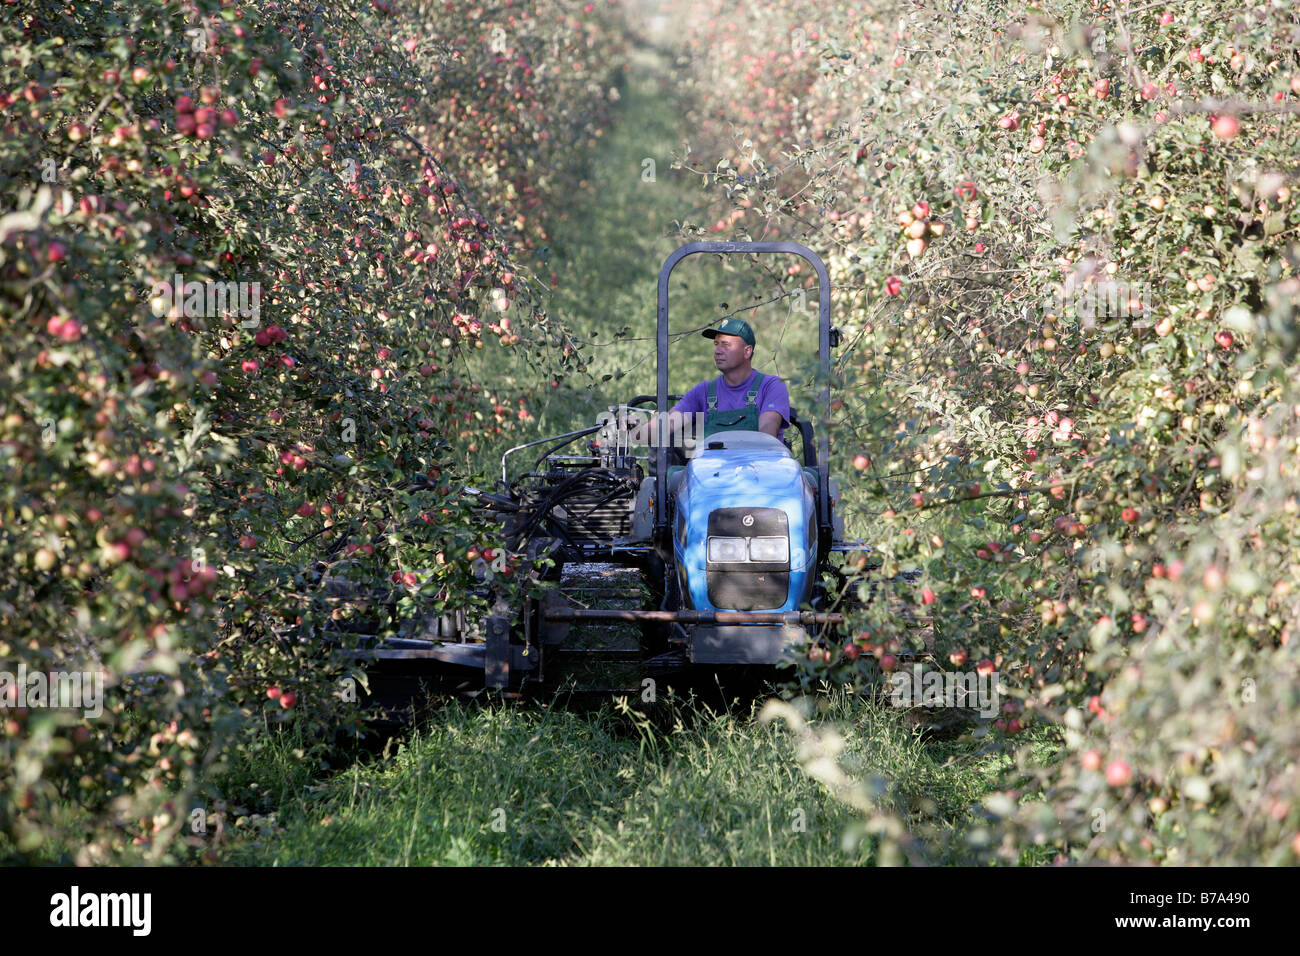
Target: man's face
730, 352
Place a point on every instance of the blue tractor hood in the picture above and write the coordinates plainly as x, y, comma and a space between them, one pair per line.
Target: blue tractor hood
745, 490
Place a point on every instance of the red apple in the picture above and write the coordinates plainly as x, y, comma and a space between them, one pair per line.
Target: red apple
1226, 126
117, 552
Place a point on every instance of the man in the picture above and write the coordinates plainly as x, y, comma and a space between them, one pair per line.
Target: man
740, 397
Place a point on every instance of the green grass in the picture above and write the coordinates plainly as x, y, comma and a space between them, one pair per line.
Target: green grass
538, 785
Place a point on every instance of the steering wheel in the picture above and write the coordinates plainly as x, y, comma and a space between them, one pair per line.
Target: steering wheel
652, 399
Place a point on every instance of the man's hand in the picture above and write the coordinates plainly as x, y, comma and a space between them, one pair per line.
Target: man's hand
770, 422
677, 425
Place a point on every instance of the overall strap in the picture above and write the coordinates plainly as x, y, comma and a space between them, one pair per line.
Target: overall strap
752, 395
712, 394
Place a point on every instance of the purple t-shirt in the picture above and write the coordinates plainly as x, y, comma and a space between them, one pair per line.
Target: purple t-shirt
773, 396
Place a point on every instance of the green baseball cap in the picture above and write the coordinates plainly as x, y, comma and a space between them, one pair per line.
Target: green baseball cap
736, 327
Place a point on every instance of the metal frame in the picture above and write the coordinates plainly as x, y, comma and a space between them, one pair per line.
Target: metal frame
824, 356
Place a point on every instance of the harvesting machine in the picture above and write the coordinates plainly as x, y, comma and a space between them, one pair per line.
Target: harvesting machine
660, 561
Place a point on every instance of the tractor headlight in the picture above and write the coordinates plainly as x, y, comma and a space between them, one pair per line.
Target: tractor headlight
764, 550
769, 550
727, 550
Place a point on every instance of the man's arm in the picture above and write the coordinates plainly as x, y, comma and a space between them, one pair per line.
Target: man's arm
770, 422
774, 405
691, 403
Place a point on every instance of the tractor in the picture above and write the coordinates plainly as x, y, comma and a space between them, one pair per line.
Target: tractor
654, 560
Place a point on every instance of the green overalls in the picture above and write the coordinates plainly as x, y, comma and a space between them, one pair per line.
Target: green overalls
732, 419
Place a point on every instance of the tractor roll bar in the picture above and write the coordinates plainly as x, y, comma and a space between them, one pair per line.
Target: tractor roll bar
824, 356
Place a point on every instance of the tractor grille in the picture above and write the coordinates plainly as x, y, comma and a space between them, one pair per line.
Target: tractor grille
746, 591
748, 522
748, 585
